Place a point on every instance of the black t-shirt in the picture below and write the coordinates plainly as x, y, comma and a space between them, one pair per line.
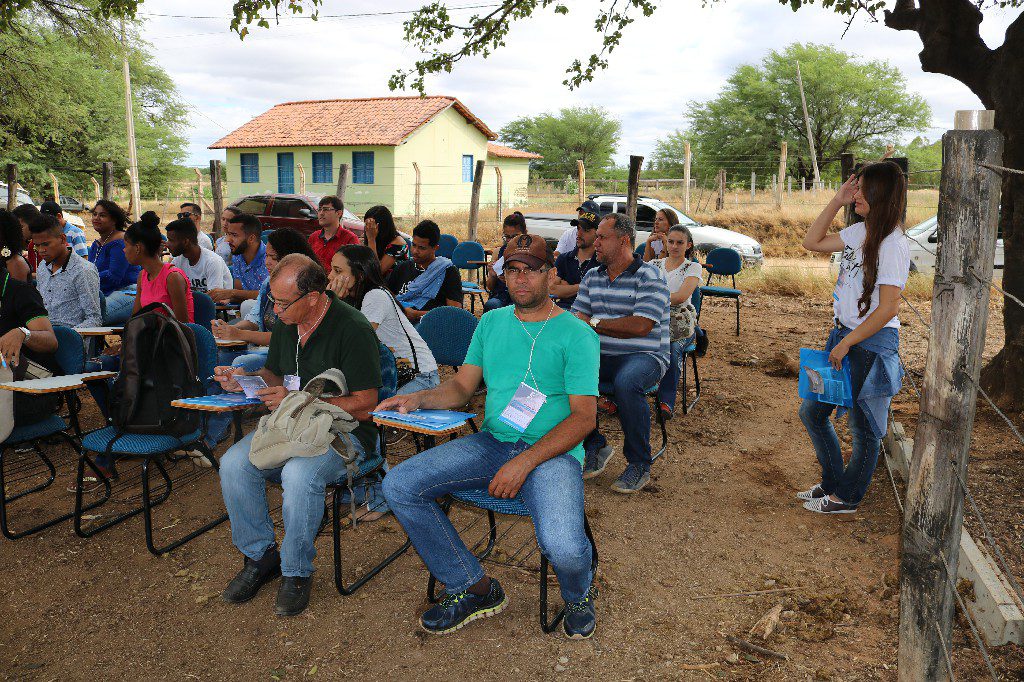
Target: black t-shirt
403, 273
21, 303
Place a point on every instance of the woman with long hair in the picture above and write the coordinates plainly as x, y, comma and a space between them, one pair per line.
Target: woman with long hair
872, 273
356, 278
683, 275
15, 233
381, 235
664, 219
107, 254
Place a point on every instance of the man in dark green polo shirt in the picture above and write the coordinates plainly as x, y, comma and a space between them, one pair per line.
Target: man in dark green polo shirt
315, 331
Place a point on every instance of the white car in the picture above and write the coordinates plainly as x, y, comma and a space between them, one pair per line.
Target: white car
705, 237
923, 240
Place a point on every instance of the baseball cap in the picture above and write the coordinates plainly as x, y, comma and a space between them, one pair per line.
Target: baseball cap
50, 207
530, 249
587, 220
589, 206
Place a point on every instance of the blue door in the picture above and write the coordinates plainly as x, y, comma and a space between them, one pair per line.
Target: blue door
286, 173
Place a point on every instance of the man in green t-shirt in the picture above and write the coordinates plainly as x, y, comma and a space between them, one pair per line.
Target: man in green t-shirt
315, 331
540, 365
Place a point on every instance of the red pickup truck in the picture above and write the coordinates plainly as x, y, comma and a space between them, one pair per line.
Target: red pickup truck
297, 211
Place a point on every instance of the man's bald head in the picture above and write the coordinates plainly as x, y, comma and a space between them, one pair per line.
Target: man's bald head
305, 273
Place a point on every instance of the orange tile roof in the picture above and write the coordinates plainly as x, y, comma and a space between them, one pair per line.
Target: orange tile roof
344, 122
494, 149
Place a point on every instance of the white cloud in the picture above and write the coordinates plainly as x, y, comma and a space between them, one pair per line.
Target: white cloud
684, 52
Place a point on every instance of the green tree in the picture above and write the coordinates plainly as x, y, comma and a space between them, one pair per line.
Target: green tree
578, 133
62, 111
852, 104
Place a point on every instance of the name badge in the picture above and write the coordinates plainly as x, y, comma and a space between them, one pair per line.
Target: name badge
292, 382
525, 405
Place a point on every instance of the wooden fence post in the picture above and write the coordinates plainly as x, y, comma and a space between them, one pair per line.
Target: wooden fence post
96, 188
686, 177
108, 180
497, 205
581, 172
904, 165
12, 186
720, 202
134, 212
789, 185
847, 167
56, 187
633, 188
933, 516
302, 179
217, 188
474, 200
753, 184
343, 182
782, 172
416, 199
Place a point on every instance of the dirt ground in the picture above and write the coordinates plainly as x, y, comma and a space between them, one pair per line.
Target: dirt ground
718, 518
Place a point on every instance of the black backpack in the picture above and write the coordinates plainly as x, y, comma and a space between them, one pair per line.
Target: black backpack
159, 361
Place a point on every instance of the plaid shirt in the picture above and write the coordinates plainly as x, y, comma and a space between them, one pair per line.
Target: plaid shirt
72, 294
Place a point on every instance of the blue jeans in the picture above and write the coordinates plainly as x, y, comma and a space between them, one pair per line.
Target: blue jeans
118, 308
304, 480
421, 382
670, 382
250, 360
553, 492
629, 376
850, 483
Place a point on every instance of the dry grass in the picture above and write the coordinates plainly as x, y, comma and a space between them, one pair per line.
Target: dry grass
813, 279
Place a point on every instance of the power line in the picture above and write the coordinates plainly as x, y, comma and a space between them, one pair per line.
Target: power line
350, 15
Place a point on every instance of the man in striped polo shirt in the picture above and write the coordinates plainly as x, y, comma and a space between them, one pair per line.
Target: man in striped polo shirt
627, 302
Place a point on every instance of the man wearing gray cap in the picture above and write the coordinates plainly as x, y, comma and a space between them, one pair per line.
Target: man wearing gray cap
540, 365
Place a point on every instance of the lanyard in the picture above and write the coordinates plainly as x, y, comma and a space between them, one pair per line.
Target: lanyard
533, 344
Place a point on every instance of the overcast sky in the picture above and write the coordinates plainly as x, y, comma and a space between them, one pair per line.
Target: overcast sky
684, 52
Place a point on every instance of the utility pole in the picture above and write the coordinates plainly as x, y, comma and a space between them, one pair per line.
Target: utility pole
133, 159
807, 123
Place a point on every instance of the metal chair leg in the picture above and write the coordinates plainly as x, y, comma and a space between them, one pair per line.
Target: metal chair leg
51, 477
148, 505
737, 316
339, 582
661, 424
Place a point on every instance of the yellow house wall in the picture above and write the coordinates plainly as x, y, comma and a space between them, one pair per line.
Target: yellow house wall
358, 197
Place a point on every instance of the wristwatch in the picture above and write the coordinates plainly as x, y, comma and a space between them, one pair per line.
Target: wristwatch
594, 321
27, 332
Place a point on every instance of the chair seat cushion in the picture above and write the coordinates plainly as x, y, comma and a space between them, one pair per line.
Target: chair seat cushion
690, 347
135, 443
45, 427
482, 499
471, 285
725, 292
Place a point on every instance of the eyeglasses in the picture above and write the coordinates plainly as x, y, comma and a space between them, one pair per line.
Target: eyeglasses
326, 209
282, 307
186, 214
523, 272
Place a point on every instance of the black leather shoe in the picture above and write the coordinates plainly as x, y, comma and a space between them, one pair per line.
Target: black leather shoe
253, 576
293, 595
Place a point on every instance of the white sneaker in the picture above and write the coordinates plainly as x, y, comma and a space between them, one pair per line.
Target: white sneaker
826, 505
812, 494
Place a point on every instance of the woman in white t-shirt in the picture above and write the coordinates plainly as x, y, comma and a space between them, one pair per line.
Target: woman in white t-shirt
683, 275
872, 273
355, 277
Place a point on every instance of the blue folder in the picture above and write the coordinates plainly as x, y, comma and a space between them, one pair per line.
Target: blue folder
432, 420
820, 381
222, 400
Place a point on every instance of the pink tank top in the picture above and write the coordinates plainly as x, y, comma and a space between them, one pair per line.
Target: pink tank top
155, 291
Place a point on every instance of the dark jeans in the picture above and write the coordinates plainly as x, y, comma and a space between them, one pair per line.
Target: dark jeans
848, 483
630, 377
670, 382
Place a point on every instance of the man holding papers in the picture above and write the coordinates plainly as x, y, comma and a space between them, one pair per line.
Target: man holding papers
314, 332
541, 367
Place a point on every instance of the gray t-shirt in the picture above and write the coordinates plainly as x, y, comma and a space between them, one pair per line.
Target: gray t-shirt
379, 308
209, 272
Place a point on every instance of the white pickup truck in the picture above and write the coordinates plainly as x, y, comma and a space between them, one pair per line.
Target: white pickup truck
923, 240
705, 237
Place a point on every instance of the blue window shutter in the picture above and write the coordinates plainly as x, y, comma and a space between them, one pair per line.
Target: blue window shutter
467, 168
250, 171
362, 168
323, 167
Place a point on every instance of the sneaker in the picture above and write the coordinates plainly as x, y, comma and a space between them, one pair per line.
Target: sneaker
199, 459
253, 576
455, 610
606, 406
632, 480
293, 595
580, 619
826, 505
90, 482
812, 494
595, 461
666, 411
